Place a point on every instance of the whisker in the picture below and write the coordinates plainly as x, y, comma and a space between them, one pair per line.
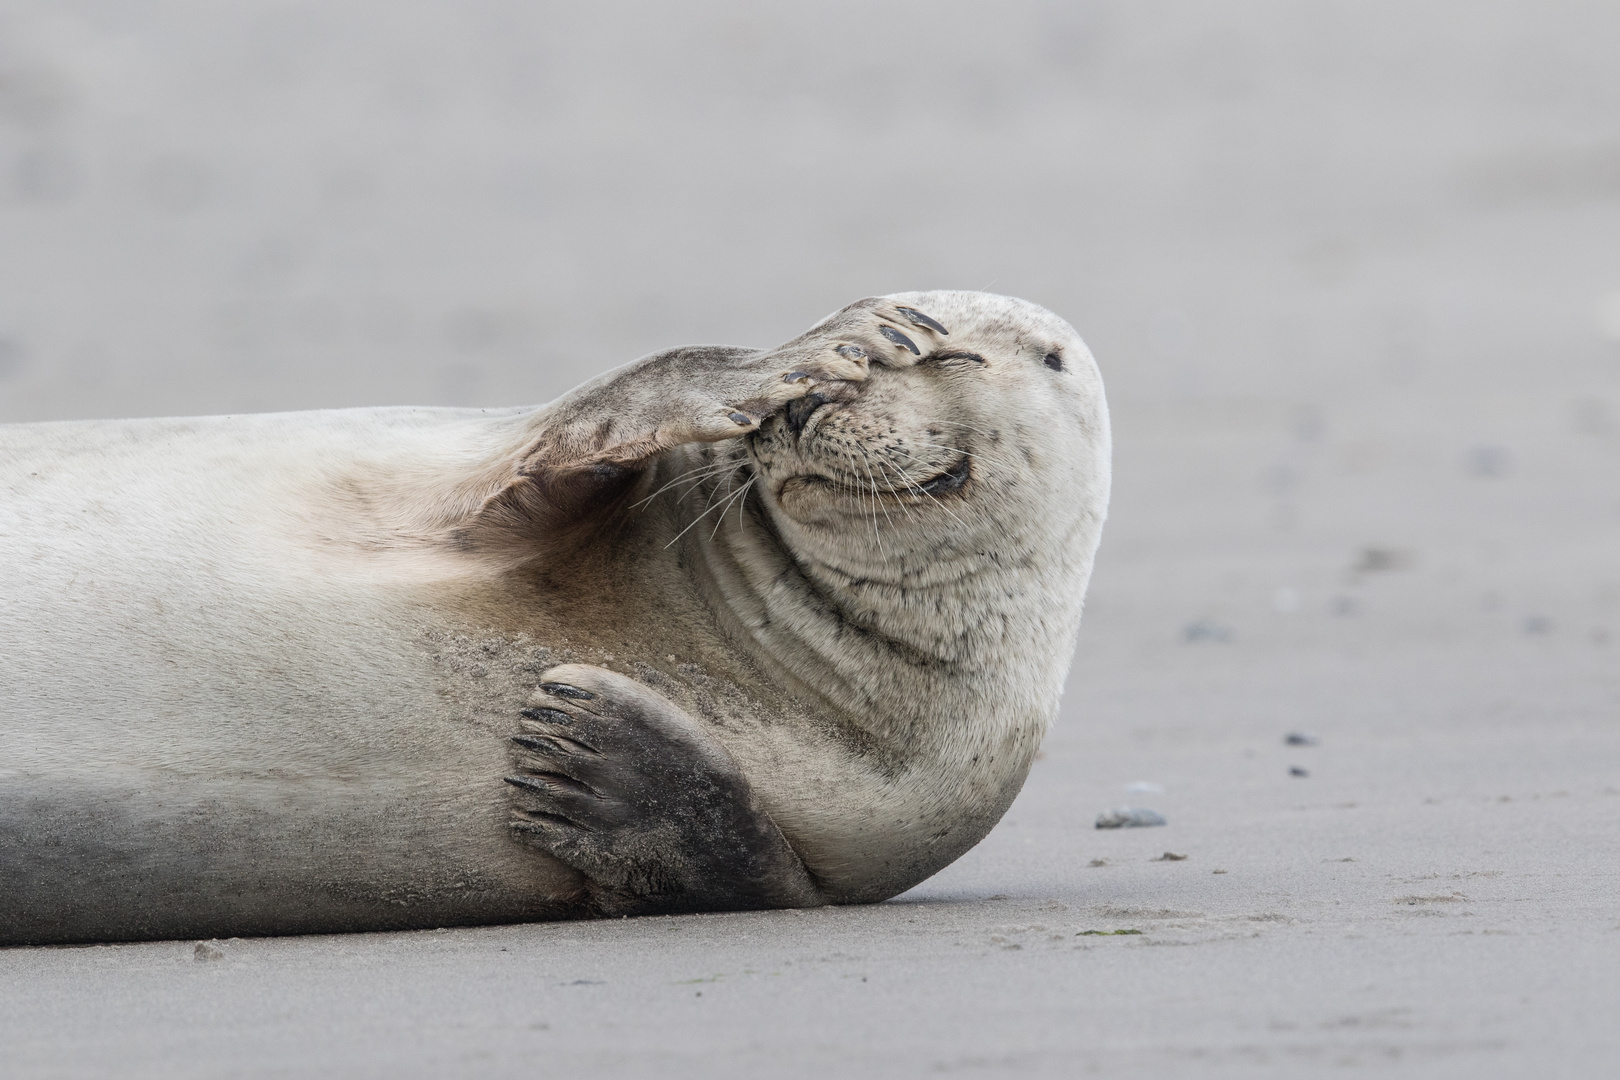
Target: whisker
924, 491
1006, 462
873, 479
888, 482
987, 433
741, 494
716, 493
699, 471
969, 427
744, 504
905, 508
706, 512
698, 482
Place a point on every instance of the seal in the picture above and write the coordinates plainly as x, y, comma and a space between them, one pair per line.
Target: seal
724, 628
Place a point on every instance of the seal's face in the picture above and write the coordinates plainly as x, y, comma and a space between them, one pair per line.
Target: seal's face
995, 429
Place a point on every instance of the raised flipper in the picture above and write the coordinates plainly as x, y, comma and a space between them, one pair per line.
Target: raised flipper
590, 445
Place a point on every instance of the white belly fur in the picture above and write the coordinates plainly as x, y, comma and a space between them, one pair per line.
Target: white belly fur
194, 692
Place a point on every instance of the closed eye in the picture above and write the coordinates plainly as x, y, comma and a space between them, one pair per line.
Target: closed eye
956, 354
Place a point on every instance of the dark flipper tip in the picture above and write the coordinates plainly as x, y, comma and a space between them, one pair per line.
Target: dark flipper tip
899, 339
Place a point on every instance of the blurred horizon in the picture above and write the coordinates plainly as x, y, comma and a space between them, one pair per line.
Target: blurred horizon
272, 206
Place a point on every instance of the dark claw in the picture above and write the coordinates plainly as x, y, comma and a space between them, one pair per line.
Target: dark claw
854, 352
899, 339
553, 744
919, 319
548, 716
530, 783
741, 419
549, 784
560, 689
796, 376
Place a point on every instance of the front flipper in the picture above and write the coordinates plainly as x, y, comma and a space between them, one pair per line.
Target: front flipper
580, 456
629, 790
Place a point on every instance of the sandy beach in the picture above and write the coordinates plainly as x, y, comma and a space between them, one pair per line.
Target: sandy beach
1352, 274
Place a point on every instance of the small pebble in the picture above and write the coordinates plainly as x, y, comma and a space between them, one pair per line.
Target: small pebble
1300, 738
1129, 817
1374, 560
1295, 770
1169, 856
206, 951
1205, 630
1217, 871
1098, 862
1488, 461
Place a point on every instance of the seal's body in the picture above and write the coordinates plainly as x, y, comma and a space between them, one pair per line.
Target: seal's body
724, 628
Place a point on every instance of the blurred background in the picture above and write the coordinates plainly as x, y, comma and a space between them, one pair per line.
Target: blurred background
1352, 270
211, 208
1352, 273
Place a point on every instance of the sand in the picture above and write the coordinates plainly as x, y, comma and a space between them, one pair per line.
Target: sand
1351, 274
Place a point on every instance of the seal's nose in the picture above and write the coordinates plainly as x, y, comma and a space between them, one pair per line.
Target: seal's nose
799, 411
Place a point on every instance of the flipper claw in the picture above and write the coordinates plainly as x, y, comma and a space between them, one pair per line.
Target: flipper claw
900, 339
919, 319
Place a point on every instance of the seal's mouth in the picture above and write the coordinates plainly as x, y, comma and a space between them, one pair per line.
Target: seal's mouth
952, 479
808, 481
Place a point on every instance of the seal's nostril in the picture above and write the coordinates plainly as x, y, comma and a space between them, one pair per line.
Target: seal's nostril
799, 411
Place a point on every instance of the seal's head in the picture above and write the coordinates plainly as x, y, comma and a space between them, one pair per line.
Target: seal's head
982, 438
922, 539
